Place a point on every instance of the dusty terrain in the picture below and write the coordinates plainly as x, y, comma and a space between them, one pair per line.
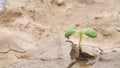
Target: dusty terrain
32, 33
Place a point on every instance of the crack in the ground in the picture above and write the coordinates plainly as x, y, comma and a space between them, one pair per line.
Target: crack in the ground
9, 49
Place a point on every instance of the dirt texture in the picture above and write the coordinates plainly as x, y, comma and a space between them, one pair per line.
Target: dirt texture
32, 33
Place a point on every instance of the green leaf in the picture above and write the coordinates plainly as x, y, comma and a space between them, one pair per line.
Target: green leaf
70, 32
90, 32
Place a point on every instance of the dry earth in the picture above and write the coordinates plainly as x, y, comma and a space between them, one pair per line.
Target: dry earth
32, 33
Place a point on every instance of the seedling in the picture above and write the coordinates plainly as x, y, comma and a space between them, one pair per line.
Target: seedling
76, 51
90, 32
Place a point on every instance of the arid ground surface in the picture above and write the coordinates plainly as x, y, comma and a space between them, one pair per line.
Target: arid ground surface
32, 33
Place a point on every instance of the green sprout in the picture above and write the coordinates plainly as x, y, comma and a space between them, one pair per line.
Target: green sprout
90, 32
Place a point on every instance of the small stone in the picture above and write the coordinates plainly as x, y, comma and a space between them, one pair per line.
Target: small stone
74, 52
58, 2
97, 18
89, 52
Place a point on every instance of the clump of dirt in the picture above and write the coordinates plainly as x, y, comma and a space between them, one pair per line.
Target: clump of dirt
78, 53
9, 16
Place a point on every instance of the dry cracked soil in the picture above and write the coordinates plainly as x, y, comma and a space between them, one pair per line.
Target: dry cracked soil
32, 33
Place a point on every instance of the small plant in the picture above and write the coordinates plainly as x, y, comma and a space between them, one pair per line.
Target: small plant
88, 32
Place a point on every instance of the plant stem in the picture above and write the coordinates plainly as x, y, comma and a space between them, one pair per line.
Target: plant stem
80, 40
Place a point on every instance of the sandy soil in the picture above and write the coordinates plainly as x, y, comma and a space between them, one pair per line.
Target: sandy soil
27, 25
